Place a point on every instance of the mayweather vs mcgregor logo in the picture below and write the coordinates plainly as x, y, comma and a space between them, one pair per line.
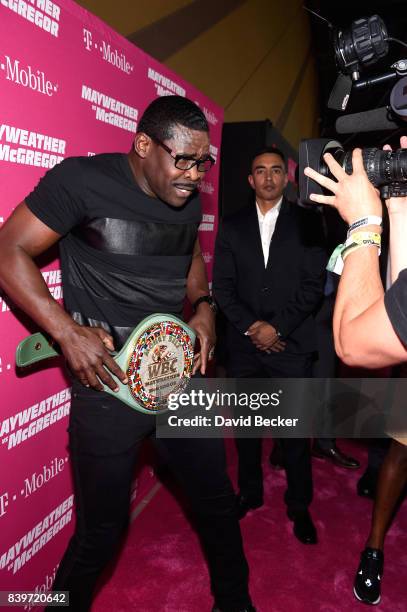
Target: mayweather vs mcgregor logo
164, 85
42, 13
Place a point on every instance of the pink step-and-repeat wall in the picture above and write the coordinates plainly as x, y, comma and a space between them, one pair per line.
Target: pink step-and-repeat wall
69, 85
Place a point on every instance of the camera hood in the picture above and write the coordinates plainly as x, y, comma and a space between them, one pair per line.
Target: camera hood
311, 154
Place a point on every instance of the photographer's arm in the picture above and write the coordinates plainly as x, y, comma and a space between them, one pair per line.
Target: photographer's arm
364, 335
397, 208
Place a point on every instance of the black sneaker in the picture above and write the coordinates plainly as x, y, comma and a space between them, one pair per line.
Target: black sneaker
368, 577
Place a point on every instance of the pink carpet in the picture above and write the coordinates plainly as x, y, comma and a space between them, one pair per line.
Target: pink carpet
161, 568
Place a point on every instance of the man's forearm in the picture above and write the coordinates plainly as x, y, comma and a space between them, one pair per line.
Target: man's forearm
398, 243
360, 287
22, 281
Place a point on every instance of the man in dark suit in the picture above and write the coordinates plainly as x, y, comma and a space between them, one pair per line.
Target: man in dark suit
268, 281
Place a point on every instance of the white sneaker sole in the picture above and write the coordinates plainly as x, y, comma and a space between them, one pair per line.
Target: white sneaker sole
373, 603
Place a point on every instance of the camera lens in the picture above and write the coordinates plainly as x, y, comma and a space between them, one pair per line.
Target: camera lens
365, 42
382, 167
386, 170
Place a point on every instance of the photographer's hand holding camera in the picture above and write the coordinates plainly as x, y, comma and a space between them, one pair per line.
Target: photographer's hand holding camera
370, 327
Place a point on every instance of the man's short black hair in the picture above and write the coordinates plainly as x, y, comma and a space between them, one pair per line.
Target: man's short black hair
162, 114
272, 150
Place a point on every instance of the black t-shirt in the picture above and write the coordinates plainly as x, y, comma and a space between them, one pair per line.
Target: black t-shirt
124, 255
395, 301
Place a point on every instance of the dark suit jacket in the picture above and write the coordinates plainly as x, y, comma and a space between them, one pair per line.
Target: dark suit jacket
287, 292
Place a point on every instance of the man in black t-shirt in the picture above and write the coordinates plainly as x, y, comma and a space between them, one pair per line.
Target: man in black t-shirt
127, 227
123, 256
370, 328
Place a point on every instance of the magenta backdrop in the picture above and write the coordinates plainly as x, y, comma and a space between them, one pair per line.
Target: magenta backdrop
69, 85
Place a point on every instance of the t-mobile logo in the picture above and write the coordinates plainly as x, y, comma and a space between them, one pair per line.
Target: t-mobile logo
87, 39
3, 503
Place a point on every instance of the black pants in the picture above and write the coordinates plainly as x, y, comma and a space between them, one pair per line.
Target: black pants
326, 364
105, 436
296, 451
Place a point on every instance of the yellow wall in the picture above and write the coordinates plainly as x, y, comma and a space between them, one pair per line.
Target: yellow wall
252, 62
128, 16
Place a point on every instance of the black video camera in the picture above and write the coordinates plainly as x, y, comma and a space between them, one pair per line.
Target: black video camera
362, 44
386, 170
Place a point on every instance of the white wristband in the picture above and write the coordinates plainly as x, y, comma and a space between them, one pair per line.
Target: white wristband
369, 220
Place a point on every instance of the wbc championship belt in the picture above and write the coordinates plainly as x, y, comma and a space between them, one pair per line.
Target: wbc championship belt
157, 359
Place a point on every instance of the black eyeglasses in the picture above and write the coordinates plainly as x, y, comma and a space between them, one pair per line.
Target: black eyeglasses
184, 162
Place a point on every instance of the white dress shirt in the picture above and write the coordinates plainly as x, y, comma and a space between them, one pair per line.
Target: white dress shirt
267, 225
